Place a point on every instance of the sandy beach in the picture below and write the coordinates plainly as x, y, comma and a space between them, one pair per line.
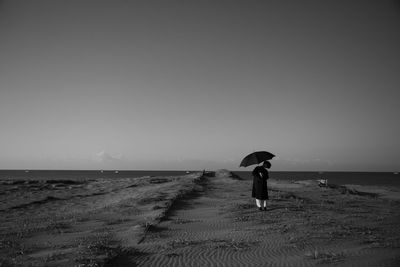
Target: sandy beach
131, 132
197, 220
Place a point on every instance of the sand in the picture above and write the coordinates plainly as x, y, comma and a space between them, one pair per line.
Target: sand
206, 220
81, 223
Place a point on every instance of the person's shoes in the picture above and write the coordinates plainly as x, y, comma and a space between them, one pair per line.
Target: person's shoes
259, 208
265, 208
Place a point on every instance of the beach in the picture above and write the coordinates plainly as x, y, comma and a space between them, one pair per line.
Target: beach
198, 219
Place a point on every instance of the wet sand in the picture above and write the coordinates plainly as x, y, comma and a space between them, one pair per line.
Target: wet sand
207, 221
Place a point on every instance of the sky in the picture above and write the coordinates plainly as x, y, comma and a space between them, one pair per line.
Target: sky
192, 85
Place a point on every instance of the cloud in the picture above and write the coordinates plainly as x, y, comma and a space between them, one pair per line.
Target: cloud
103, 156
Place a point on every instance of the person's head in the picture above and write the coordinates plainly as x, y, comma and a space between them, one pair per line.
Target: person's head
267, 164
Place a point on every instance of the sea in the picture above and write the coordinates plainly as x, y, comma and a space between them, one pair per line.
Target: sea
81, 174
340, 178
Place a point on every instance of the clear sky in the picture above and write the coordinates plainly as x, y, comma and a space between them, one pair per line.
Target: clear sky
199, 84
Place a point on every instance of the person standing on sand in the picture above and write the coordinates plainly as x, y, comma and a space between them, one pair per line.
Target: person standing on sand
260, 189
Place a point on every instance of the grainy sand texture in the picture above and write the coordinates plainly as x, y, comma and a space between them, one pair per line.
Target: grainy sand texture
205, 220
81, 223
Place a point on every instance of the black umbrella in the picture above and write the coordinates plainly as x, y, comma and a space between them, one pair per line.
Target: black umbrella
256, 158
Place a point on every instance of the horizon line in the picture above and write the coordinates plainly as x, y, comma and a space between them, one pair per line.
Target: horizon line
181, 170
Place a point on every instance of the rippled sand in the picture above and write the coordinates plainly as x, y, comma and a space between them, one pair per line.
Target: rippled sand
305, 225
198, 220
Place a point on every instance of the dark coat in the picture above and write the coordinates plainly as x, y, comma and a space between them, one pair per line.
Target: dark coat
260, 189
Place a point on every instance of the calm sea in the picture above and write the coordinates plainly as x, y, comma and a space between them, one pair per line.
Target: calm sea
79, 174
361, 178
340, 178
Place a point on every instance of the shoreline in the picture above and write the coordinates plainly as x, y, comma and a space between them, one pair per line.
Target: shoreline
340, 178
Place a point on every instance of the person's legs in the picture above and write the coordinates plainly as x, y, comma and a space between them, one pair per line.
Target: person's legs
258, 203
265, 204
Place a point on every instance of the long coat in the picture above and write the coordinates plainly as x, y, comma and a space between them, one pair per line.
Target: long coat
260, 189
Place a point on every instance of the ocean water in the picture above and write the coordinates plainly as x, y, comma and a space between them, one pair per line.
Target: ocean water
80, 174
340, 178
360, 178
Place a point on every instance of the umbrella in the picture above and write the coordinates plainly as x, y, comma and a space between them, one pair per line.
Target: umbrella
256, 158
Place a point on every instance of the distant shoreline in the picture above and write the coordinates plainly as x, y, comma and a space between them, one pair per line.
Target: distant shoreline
340, 178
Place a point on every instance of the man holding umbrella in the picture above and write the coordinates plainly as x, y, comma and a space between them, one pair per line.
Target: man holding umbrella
260, 176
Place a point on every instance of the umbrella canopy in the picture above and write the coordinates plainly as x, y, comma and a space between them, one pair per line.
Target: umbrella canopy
256, 158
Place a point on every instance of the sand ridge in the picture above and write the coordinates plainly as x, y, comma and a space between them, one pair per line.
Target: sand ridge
69, 223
